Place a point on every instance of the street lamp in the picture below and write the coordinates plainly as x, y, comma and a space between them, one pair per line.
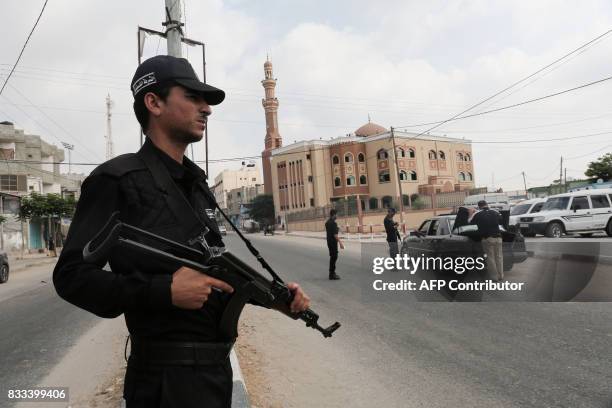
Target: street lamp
70, 148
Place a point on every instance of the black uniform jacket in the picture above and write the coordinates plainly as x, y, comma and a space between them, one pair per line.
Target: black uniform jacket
147, 188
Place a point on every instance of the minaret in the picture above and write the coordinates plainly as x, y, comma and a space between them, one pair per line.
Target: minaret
273, 139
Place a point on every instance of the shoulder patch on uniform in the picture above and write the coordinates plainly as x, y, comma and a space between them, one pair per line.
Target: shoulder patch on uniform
120, 165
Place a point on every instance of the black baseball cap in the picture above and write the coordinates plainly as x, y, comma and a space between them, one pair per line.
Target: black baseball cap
163, 69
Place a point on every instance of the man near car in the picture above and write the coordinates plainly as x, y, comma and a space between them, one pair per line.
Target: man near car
488, 222
333, 240
177, 357
392, 233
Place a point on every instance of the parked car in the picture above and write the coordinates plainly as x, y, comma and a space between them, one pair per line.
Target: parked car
522, 209
440, 237
583, 212
222, 230
496, 201
4, 267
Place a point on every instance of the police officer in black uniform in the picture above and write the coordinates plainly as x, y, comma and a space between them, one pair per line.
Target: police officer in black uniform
333, 240
177, 358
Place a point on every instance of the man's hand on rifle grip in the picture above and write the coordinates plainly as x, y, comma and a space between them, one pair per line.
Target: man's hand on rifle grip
190, 288
301, 301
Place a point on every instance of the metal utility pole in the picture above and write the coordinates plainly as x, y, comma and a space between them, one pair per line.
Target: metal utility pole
174, 32
109, 139
399, 182
565, 180
70, 148
561, 173
524, 183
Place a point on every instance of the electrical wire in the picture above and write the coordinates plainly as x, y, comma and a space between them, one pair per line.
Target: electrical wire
24, 47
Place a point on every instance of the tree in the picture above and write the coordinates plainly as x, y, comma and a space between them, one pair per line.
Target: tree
262, 209
601, 168
50, 207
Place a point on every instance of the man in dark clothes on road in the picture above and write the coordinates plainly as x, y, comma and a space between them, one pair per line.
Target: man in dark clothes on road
177, 358
392, 233
488, 222
333, 240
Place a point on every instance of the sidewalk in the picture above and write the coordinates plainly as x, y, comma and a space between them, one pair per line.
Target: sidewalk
376, 236
19, 263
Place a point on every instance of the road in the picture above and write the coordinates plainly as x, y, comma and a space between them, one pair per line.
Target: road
394, 353
38, 330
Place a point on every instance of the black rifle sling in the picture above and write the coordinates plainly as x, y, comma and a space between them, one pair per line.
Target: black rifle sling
182, 209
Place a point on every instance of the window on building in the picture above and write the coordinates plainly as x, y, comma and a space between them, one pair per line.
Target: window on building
337, 182
405, 199
307, 157
469, 177
363, 179
350, 181
468, 157
373, 203
411, 153
460, 156
433, 155
413, 176
310, 179
361, 158
335, 159
382, 154
441, 155
387, 202
348, 158
461, 176
384, 177
254, 179
8, 182
403, 175
312, 202
401, 152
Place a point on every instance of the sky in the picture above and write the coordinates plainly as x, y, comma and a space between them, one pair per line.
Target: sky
403, 63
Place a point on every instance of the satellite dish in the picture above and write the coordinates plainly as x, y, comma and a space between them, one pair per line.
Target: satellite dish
599, 181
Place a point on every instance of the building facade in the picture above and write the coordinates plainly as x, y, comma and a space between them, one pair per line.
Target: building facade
247, 176
362, 166
28, 165
239, 200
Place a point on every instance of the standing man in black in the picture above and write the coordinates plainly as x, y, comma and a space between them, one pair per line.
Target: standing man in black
333, 240
392, 233
177, 357
488, 222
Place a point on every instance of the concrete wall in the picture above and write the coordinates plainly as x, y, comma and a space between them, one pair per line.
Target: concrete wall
371, 222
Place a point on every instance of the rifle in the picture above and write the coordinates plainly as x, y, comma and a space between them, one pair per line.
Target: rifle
249, 285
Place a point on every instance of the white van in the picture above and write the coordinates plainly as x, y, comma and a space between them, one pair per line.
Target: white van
583, 212
523, 208
496, 201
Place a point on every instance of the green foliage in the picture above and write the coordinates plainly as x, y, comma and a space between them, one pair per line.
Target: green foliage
417, 202
2, 219
262, 209
601, 168
39, 206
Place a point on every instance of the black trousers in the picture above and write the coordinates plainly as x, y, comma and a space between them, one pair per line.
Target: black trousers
206, 386
333, 257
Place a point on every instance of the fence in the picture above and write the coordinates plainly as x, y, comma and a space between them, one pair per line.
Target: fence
347, 207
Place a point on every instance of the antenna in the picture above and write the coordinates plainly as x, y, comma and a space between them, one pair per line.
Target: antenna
109, 139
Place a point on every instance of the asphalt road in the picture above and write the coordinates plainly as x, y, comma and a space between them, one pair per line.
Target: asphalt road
37, 329
443, 354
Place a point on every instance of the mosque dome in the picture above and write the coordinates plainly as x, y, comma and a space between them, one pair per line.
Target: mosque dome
370, 129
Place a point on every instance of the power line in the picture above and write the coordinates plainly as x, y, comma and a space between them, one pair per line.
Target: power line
514, 105
518, 82
24, 47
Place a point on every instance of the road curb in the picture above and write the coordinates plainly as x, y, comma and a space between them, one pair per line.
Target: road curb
30, 264
240, 396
